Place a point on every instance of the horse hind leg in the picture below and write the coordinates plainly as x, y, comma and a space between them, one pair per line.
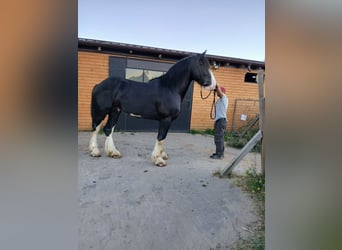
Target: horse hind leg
110, 148
93, 147
97, 116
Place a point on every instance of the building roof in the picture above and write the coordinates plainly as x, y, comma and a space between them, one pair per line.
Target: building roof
85, 44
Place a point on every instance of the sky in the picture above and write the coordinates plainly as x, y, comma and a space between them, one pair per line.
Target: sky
231, 28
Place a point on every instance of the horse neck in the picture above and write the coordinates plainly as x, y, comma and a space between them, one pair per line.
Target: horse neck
178, 78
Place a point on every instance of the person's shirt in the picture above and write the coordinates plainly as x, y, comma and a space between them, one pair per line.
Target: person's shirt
221, 107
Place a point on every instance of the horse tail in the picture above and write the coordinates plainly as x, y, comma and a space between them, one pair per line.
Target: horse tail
93, 110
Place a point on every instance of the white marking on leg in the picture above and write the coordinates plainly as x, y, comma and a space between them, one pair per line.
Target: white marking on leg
156, 155
93, 147
110, 148
163, 154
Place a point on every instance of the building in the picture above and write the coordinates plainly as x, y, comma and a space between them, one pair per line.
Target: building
99, 59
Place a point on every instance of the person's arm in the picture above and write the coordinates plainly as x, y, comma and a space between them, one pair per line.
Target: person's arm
218, 90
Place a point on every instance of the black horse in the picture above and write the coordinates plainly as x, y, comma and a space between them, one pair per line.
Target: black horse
160, 99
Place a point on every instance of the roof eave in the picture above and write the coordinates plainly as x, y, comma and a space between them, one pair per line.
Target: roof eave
115, 47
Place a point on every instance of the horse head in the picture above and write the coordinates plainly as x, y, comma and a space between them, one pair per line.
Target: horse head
201, 72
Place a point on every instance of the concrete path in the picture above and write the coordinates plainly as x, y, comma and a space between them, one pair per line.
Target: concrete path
129, 203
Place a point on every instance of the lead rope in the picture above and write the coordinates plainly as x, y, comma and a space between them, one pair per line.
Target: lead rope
212, 117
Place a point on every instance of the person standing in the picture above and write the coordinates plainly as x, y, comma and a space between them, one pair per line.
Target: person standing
220, 125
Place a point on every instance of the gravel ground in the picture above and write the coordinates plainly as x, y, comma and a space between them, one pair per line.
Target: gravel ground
129, 203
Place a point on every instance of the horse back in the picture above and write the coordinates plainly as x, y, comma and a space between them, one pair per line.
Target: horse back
118, 91
148, 100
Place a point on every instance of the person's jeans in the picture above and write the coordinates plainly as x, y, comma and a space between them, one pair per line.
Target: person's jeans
219, 129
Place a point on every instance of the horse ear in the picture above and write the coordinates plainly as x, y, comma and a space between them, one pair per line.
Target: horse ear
204, 52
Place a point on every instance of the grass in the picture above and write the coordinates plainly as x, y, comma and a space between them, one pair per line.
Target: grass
254, 185
208, 131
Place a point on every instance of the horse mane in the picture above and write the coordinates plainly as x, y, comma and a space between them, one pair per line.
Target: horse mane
181, 68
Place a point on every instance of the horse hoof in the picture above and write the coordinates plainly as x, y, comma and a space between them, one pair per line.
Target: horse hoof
160, 162
95, 153
115, 155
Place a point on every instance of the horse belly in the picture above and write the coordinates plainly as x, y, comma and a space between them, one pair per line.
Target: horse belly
140, 109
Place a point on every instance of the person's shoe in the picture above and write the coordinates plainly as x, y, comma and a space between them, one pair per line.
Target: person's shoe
213, 154
216, 156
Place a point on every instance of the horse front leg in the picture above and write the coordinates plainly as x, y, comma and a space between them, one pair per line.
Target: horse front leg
163, 154
158, 155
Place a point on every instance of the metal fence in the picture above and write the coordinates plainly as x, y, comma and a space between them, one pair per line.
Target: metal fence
246, 112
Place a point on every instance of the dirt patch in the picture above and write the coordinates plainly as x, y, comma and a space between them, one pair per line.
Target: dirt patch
129, 203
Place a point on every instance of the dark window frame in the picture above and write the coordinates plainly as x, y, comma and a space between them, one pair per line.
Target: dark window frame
250, 77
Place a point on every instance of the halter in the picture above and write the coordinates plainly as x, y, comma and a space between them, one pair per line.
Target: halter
212, 117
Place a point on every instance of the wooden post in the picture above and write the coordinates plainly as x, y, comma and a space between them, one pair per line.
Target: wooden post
260, 81
229, 168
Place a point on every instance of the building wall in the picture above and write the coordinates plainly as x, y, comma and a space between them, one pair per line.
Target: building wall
233, 81
94, 67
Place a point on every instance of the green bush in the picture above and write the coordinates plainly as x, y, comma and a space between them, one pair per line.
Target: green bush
234, 140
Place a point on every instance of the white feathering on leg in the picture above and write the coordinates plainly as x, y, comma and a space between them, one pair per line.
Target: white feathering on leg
110, 148
163, 154
93, 147
156, 155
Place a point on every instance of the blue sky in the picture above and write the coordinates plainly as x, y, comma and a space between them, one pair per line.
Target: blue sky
232, 28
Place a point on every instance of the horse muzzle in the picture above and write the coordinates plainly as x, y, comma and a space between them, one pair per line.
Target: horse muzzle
210, 87
212, 84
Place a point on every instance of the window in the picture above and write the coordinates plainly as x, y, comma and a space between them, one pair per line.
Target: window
250, 77
142, 75
135, 75
150, 74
